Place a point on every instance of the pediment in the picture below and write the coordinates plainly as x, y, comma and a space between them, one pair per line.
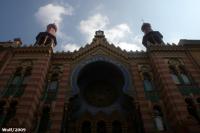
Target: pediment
100, 46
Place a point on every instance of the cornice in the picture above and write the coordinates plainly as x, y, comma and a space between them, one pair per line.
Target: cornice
103, 43
33, 49
173, 47
62, 55
97, 42
137, 54
167, 47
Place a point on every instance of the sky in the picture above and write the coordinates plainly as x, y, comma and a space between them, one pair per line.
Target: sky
121, 20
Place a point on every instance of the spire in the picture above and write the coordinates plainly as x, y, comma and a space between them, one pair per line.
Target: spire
47, 38
151, 37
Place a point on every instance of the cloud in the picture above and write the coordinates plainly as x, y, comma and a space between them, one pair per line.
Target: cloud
120, 34
93, 23
70, 47
52, 13
55, 13
134, 44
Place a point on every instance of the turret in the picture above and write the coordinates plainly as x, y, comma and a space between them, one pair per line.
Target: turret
151, 37
47, 38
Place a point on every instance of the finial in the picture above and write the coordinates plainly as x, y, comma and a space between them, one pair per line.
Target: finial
53, 25
47, 38
150, 37
99, 33
146, 27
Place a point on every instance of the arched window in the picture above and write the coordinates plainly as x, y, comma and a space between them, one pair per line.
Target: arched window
86, 127
148, 86
17, 77
44, 120
174, 75
101, 127
116, 127
27, 75
53, 84
26, 79
184, 75
192, 109
158, 118
14, 83
52, 87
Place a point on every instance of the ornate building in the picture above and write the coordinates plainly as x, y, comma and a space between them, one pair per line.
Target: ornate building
100, 88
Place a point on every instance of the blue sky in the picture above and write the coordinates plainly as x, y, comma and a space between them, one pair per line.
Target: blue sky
79, 19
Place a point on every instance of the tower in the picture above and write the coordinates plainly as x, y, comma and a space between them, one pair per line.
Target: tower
47, 38
151, 37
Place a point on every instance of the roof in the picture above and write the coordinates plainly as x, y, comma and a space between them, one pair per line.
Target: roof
186, 42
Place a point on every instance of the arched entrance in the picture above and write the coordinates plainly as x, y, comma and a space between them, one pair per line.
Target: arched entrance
100, 87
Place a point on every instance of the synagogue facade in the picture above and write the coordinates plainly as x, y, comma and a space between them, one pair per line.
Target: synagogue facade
100, 88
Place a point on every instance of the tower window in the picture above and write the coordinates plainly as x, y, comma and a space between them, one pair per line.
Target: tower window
17, 76
192, 109
148, 86
27, 75
53, 85
158, 118
15, 82
174, 75
51, 88
184, 75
